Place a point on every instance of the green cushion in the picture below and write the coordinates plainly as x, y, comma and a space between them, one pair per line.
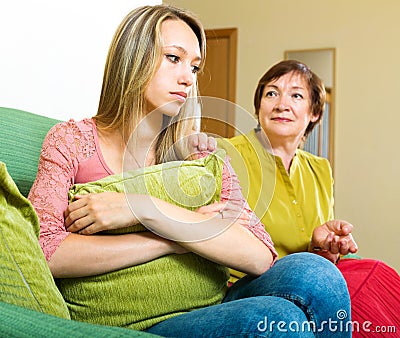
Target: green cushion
188, 184
143, 295
21, 138
25, 278
22, 323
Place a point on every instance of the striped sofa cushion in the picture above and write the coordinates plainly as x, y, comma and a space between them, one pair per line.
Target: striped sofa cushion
21, 138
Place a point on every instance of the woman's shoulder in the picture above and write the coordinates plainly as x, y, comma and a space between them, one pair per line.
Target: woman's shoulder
76, 138
314, 161
242, 143
239, 140
71, 132
72, 127
309, 156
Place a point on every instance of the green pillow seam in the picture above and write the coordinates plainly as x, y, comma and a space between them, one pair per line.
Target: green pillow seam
20, 271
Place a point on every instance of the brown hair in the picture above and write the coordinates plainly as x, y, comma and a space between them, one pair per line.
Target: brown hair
133, 58
315, 86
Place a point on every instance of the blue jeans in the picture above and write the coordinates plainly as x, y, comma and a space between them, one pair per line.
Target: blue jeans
302, 295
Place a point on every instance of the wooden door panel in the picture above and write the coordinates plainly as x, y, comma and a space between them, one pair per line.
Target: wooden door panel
219, 80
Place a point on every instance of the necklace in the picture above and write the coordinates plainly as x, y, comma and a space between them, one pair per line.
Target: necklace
143, 155
132, 155
137, 161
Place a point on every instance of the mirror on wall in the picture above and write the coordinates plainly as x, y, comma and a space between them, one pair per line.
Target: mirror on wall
322, 62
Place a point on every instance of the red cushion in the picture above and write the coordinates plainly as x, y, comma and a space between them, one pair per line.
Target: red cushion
375, 301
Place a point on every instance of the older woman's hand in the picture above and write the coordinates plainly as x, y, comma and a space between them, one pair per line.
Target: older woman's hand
333, 238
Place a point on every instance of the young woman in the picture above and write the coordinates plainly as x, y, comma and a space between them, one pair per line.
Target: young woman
291, 190
150, 73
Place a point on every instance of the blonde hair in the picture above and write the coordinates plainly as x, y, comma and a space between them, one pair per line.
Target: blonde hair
133, 58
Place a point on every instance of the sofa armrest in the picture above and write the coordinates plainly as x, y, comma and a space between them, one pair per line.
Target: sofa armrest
21, 138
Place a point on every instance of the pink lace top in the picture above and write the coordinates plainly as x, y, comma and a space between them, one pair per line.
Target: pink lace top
71, 154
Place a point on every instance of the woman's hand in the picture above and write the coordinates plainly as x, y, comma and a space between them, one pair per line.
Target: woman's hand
202, 142
333, 238
226, 211
194, 143
93, 213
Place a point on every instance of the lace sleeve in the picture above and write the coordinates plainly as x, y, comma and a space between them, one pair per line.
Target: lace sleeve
232, 192
58, 164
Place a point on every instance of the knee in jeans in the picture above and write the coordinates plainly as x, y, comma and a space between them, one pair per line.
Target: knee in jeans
310, 263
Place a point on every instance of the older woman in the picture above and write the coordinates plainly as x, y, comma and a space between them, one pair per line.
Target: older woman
291, 190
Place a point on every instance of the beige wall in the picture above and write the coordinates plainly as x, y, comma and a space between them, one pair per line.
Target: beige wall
366, 37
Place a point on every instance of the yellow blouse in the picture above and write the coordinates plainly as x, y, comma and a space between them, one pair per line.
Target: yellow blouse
289, 205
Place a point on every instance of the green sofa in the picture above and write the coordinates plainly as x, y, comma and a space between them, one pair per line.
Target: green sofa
30, 303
